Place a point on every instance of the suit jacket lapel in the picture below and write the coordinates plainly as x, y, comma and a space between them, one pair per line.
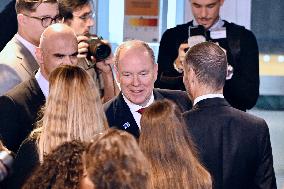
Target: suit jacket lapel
125, 117
38, 97
28, 61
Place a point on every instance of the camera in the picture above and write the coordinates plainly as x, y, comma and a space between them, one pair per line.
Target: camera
98, 48
197, 30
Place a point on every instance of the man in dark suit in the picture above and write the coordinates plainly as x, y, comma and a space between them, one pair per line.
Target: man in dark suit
233, 145
17, 59
242, 89
20, 106
136, 72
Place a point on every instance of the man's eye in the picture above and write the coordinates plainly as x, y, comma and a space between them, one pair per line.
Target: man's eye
196, 6
211, 6
59, 56
143, 73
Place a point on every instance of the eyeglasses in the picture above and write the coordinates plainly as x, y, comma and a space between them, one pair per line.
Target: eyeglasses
46, 20
86, 16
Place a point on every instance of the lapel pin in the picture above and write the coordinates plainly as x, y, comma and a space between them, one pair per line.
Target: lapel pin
126, 125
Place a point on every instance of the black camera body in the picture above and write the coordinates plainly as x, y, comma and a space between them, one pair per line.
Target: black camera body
198, 30
98, 48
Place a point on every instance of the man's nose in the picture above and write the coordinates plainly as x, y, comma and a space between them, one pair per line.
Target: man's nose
91, 22
135, 80
203, 12
68, 60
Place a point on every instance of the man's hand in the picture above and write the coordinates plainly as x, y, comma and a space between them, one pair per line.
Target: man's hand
3, 171
178, 64
105, 65
82, 46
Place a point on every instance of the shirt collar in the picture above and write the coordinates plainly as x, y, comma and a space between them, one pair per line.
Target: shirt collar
43, 83
203, 97
31, 47
219, 24
134, 107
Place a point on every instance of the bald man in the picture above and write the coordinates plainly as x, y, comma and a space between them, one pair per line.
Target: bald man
19, 107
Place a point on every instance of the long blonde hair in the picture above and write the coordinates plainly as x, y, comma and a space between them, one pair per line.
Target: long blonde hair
166, 143
73, 110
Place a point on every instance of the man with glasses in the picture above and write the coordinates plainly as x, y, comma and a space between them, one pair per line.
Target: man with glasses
17, 59
79, 15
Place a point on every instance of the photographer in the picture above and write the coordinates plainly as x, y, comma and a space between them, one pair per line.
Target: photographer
78, 14
242, 89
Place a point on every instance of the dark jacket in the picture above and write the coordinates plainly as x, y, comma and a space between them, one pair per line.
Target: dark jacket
18, 112
242, 90
233, 145
119, 115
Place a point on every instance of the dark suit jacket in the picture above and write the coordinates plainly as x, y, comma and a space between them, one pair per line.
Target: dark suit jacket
25, 163
234, 146
120, 116
18, 112
17, 64
242, 90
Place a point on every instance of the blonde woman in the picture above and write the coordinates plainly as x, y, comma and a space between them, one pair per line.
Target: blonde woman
73, 111
166, 143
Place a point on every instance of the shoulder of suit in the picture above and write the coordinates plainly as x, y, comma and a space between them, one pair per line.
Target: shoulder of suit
180, 27
170, 91
233, 26
9, 55
111, 102
21, 89
172, 94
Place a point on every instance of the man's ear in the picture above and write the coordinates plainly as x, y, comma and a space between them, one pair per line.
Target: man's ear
39, 55
117, 75
222, 2
155, 71
21, 19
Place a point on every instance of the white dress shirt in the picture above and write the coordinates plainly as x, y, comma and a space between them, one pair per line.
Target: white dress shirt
43, 83
134, 108
203, 97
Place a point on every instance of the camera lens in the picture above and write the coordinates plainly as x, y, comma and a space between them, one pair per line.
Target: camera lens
98, 49
102, 52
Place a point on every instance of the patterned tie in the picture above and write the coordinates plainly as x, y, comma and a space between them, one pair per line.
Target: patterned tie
141, 110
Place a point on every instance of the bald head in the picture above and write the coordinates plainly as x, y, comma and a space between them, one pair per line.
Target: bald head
54, 32
132, 45
58, 46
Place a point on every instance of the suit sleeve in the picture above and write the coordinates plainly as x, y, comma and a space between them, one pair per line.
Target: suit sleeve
243, 89
9, 124
168, 77
25, 163
265, 175
8, 78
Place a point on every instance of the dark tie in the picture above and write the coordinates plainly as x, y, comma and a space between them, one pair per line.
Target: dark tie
141, 110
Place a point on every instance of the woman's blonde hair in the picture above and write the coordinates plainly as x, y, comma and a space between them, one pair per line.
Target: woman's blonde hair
73, 110
166, 143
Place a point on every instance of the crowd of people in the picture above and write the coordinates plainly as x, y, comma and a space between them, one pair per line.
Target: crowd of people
70, 121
